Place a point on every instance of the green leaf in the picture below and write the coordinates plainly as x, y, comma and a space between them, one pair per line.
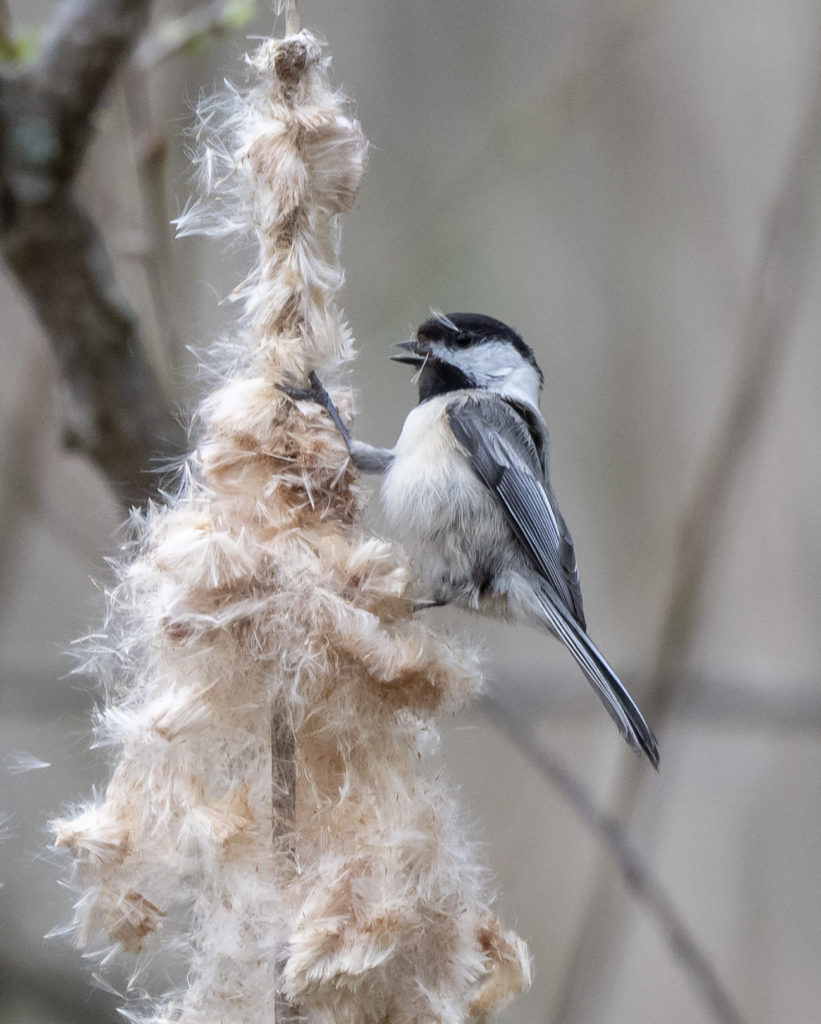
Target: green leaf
238, 13
21, 47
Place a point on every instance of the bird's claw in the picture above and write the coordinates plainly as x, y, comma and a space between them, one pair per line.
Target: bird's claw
317, 393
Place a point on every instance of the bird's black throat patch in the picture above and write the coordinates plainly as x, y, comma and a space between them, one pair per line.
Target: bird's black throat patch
438, 378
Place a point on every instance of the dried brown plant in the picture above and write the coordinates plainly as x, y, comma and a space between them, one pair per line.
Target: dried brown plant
274, 812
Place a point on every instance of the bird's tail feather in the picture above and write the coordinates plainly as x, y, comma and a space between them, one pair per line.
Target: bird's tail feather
617, 701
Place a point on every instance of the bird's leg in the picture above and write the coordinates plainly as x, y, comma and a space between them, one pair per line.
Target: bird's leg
365, 456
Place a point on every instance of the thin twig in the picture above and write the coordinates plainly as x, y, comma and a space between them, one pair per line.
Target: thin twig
635, 872
283, 809
283, 779
713, 702
792, 707
283, 745
156, 257
292, 20
777, 289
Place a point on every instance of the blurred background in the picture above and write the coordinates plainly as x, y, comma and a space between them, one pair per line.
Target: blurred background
636, 187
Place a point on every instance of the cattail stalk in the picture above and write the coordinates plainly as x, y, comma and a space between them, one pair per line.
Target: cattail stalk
272, 817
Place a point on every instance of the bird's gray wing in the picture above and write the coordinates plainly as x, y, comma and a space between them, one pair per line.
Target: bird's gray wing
567, 557
504, 456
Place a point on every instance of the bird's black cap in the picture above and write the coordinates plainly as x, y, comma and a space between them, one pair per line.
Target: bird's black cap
464, 329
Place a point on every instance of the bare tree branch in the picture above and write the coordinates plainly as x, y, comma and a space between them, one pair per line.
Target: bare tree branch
791, 707
113, 403
636, 874
780, 280
719, 703
20, 471
151, 148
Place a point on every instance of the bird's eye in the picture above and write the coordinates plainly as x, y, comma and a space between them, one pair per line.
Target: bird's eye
463, 339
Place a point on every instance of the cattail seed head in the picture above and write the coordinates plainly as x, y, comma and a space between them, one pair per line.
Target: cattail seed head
269, 696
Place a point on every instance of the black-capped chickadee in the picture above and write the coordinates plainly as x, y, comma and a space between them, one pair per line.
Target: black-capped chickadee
466, 490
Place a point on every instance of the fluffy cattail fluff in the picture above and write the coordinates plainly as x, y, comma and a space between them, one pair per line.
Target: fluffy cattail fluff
271, 818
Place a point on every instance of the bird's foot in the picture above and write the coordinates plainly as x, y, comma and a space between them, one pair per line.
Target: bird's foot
318, 394
315, 393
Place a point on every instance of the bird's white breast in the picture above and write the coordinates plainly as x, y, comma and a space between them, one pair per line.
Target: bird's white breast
436, 506
428, 472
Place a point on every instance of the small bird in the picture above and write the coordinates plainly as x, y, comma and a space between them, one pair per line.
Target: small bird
466, 489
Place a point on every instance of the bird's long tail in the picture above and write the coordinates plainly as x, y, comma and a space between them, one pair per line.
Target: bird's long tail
617, 701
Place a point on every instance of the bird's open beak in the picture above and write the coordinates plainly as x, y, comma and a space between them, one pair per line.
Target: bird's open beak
415, 352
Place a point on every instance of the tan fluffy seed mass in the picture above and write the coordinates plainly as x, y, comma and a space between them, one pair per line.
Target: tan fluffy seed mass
272, 823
